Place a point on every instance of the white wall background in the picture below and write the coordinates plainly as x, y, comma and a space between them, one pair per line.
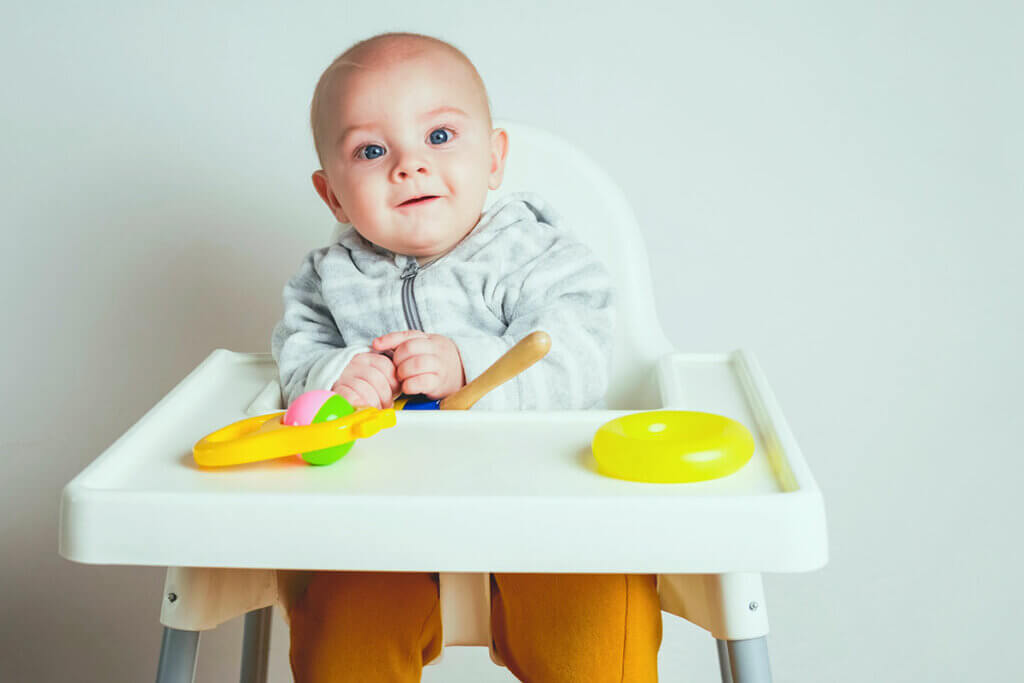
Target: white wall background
837, 187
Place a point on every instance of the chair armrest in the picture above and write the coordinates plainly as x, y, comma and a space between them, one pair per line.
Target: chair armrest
687, 381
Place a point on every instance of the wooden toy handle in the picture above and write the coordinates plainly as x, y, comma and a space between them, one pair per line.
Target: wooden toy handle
525, 353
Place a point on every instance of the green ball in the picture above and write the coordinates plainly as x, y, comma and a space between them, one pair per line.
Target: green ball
333, 408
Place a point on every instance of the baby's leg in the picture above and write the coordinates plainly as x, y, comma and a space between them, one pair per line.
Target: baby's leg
361, 626
577, 628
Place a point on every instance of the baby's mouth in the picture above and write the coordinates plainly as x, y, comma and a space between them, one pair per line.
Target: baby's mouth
419, 200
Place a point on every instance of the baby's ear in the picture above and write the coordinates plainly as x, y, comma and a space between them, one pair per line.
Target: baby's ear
323, 188
499, 153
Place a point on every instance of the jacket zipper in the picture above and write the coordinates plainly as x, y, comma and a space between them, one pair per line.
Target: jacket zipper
412, 314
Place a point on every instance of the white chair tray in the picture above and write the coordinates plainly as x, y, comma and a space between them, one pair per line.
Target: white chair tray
452, 491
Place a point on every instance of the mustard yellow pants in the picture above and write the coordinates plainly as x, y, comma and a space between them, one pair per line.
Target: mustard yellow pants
547, 628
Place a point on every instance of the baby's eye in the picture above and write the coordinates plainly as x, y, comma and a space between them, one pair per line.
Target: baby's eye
439, 136
369, 152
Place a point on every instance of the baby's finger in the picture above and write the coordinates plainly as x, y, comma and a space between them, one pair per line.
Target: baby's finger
366, 395
347, 393
390, 378
381, 362
354, 395
426, 383
413, 347
381, 386
418, 365
393, 339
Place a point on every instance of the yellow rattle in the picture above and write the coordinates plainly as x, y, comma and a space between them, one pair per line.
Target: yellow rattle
321, 426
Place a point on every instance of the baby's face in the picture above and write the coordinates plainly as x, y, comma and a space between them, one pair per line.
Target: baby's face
398, 132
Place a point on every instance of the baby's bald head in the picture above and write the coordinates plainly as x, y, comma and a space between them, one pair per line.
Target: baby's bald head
380, 51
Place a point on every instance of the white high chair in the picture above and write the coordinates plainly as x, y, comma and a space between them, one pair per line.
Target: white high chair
533, 502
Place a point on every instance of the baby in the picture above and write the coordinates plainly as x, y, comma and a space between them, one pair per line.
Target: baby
422, 291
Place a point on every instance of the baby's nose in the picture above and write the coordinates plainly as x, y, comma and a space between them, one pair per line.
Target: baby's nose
409, 165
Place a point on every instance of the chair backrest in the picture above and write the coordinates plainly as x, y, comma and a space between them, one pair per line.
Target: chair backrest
596, 211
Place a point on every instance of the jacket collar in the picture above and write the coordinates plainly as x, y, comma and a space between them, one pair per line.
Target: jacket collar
506, 211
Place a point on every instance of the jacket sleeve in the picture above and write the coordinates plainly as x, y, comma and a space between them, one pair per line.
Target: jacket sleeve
307, 345
565, 291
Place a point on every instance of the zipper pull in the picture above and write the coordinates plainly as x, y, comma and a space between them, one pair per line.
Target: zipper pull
411, 269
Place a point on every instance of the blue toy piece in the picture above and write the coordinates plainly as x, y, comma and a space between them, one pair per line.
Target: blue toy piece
418, 403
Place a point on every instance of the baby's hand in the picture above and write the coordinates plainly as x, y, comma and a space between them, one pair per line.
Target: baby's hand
424, 363
368, 380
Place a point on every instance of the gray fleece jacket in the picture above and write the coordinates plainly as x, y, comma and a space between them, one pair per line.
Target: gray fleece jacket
517, 271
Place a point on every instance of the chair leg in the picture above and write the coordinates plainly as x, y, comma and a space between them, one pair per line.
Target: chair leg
178, 655
256, 645
744, 661
723, 660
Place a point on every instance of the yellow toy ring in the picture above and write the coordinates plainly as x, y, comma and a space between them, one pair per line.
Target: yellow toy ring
671, 446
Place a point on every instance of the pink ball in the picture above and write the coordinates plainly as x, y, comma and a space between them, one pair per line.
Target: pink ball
305, 407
